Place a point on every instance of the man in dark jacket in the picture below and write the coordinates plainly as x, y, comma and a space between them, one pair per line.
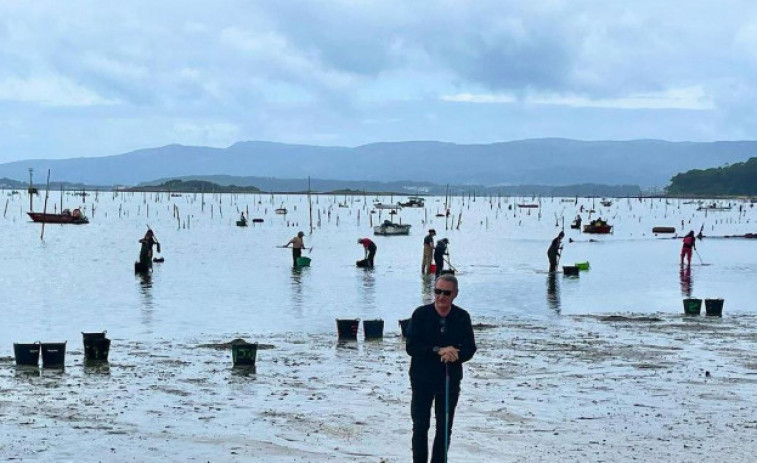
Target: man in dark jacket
439, 252
439, 339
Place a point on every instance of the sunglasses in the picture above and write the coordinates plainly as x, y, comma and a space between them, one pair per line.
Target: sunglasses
446, 292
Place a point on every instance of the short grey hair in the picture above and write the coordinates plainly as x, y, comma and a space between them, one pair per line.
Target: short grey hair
448, 277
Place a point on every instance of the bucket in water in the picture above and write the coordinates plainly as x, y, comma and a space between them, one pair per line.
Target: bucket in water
570, 270
347, 328
244, 354
373, 329
692, 306
432, 268
96, 347
362, 263
713, 307
303, 261
53, 354
582, 265
26, 354
403, 326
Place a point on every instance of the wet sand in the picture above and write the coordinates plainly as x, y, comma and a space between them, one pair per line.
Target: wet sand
573, 388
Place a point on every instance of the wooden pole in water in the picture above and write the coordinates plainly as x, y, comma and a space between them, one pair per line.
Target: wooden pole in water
44, 209
30, 190
310, 207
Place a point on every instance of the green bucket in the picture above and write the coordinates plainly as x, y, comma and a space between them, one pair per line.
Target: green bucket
582, 265
303, 261
692, 306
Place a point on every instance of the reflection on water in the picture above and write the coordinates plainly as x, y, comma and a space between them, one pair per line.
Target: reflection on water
687, 284
369, 289
145, 289
244, 371
427, 286
95, 367
553, 292
296, 284
27, 372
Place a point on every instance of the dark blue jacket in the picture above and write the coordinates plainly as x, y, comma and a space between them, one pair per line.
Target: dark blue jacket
426, 331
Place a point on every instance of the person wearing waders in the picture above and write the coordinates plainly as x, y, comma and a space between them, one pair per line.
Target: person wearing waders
428, 252
298, 244
439, 252
689, 244
145, 252
553, 253
439, 340
370, 250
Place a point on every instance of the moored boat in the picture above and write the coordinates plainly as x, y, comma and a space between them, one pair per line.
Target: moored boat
598, 226
528, 206
413, 201
389, 229
386, 206
76, 217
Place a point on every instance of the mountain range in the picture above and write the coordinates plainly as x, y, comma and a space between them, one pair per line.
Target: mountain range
546, 161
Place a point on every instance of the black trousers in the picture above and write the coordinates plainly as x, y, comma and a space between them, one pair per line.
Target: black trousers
552, 262
420, 410
371, 255
296, 252
439, 262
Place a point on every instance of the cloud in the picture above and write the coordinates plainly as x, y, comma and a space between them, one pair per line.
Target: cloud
356, 71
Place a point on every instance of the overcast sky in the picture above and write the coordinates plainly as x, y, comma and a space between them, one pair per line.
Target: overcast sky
94, 78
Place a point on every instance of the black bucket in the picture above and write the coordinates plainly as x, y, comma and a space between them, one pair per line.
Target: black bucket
347, 328
403, 326
362, 263
53, 354
692, 306
570, 270
373, 329
244, 355
96, 348
26, 354
713, 307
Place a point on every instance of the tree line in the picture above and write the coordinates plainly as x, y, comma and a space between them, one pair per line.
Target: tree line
739, 179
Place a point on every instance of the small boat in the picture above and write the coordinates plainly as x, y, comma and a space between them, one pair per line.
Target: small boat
176, 195
567, 200
389, 229
528, 206
241, 223
663, 229
598, 226
281, 211
713, 207
413, 201
576, 224
257, 220
76, 217
606, 203
387, 206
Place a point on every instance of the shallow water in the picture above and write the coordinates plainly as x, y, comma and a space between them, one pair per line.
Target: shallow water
553, 376
219, 278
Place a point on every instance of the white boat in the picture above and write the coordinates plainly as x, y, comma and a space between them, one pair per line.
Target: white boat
390, 229
386, 206
413, 201
281, 210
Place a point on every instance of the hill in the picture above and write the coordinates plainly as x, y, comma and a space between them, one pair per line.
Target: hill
739, 179
548, 161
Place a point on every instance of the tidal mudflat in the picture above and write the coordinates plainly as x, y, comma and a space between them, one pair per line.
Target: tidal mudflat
620, 388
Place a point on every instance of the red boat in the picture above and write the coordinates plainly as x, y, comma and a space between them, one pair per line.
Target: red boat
76, 217
598, 226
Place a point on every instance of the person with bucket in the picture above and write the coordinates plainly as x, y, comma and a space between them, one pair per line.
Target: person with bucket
689, 244
553, 253
298, 244
439, 340
440, 250
428, 252
370, 250
145, 252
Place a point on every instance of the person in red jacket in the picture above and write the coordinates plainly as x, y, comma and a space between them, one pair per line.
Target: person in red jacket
370, 250
689, 244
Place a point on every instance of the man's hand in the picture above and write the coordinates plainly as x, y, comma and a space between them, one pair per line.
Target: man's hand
448, 354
